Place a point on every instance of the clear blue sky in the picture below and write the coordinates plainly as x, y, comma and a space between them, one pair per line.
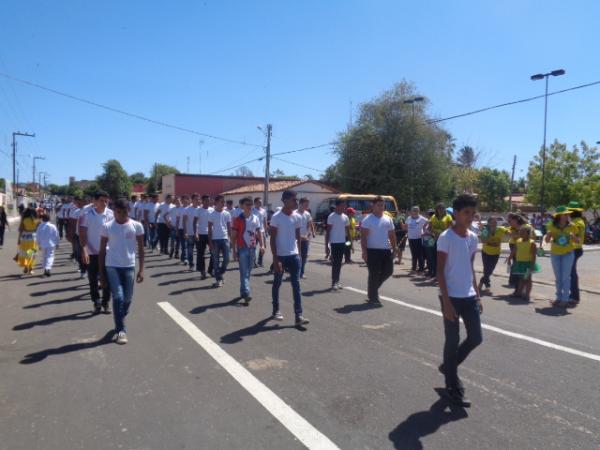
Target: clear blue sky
224, 67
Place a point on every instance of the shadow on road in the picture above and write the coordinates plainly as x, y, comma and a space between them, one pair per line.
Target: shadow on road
201, 309
45, 282
51, 320
41, 355
510, 300
253, 330
316, 291
553, 311
347, 309
409, 433
57, 302
56, 291
181, 280
183, 291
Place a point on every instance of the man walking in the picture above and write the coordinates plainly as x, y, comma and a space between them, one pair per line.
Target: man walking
261, 213
307, 228
163, 224
284, 230
414, 227
219, 232
201, 233
336, 237
378, 241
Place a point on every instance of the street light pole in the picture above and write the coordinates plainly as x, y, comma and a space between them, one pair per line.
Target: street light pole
14, 164
540, 76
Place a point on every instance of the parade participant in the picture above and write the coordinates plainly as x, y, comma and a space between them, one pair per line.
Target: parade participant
73, 231
414, 227
180, 225
246, 233
90, 230
202, 242
491, 237
47, 240
579, 222
219, 232
438, 223
163, 224
515, 221
307, 228
189, 225
378, 241
139, 216
120, 237
284, 230
563, 234
524, 256
3, 225
26, 240
150, 221
261, 213
132, 206
401, 235
348, 250
173, 217
456, 249
336, 237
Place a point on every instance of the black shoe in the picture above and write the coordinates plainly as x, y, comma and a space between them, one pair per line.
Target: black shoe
106, 308
247, 300
97, 308
203, 276
301, 320
374, 302
46, 273
456, 397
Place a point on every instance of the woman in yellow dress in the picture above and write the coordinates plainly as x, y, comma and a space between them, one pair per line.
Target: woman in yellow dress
26, 242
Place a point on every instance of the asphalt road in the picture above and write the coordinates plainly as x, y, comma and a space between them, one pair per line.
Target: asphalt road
203, 372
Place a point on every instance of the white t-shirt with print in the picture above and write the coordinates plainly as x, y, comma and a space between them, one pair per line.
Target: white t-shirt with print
202, 214
219, 221
163, 210
252, 227
122, 242
379, 228
415, 226
286, 232
337, 224
261, 213
458, 270
94, 223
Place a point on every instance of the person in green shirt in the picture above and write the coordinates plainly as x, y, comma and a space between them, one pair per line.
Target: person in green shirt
579, 222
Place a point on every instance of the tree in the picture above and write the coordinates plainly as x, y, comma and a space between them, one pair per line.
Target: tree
467, 158
114, 179
138, 178
280, 174
492, 187
308, 176
391, 150
156, 174
91, 189
243, 172
331, 177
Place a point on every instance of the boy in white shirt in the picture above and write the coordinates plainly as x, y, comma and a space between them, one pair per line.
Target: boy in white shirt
336, 237
219, 232
120, 237
459, 294
47, 238
307, 229
261, 213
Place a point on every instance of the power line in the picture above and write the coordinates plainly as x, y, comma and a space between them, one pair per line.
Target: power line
238, 165
304, 148
125, 113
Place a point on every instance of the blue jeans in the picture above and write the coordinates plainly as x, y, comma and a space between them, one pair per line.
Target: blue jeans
182, 242
290, 264
220, 246
120, 281
246, 259
153, 236
578, 253
562, 266
455, 354
304, 244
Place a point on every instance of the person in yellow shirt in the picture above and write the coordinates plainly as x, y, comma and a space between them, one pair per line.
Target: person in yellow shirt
579, 222
438, 223
562, 234
524, 266
491, 237
351, 213
515, 221
26, 241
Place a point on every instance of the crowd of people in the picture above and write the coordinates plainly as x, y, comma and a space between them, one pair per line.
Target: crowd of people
106, 236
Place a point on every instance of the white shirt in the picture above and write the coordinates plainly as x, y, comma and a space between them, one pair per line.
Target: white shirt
219, 220
458, 269
94, 222
305, 219
131, 212
286, 232
190, 213
202, 214
415, 226
337, 224
261, 213
122, 242
65, 209
163, 210
252, 226
379, 228
152, 209
81, 212
47, 235
235, 212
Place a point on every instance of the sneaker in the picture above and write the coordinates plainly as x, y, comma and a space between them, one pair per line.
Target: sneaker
334, 287
304, 277
247, 300
301, 320
374, 302
46, 273
218, 284
339, 286
121, 338
277, 316
456, 397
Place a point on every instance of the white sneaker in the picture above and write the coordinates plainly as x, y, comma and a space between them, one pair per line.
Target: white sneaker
122, 338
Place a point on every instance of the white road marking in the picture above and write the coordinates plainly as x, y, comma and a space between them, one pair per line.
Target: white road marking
296, 424
498, 330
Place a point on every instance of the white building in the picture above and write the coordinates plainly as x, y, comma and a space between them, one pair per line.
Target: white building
313, 190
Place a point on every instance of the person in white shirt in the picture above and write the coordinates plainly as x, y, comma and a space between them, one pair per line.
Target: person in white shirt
189, 229
459, 294
261, 213
247, 234
182, 240
378, 241
171, 219
200, 226
414, 227
150, 220
307, 229
139, 216
73, 231
163, 224
120, 238
219, 232
235, 212
47, 239
132, 206
337, 237
284, 231
90, 229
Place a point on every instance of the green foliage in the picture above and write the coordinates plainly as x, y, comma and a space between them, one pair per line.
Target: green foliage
114, 180
91, 189
156, 174
492, 186
280, 174
138, 178
64, 189
467, 157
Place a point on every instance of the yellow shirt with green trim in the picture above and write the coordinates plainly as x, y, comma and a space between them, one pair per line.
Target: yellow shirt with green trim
523, 253
493, 244
580, 224
438, 226
562, 241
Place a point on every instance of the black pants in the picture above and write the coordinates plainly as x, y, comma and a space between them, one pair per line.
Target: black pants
163, 237
574, 277
417, 253
431, 253
61, 224
455, 354
77, 249
93, 271
380, 263
337, 255
489, 264
2, 228
201, 245
348, 255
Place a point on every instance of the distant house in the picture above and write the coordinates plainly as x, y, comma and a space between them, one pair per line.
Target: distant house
518, 202
181, 183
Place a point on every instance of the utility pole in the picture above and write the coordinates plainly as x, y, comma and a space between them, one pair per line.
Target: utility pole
35, 158
14, 161
512, 181
267, 167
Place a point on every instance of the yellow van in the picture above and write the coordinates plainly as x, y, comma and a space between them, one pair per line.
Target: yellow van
361, 203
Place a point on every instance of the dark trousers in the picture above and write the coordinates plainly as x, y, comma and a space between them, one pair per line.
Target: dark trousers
163, 237
78, 250
337, 255
455, 354
93, 271
574, 277
201, 245
61, 224
304, 244
489, 264
431, 253
380, 263
417, 253
2, 228
348, 254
